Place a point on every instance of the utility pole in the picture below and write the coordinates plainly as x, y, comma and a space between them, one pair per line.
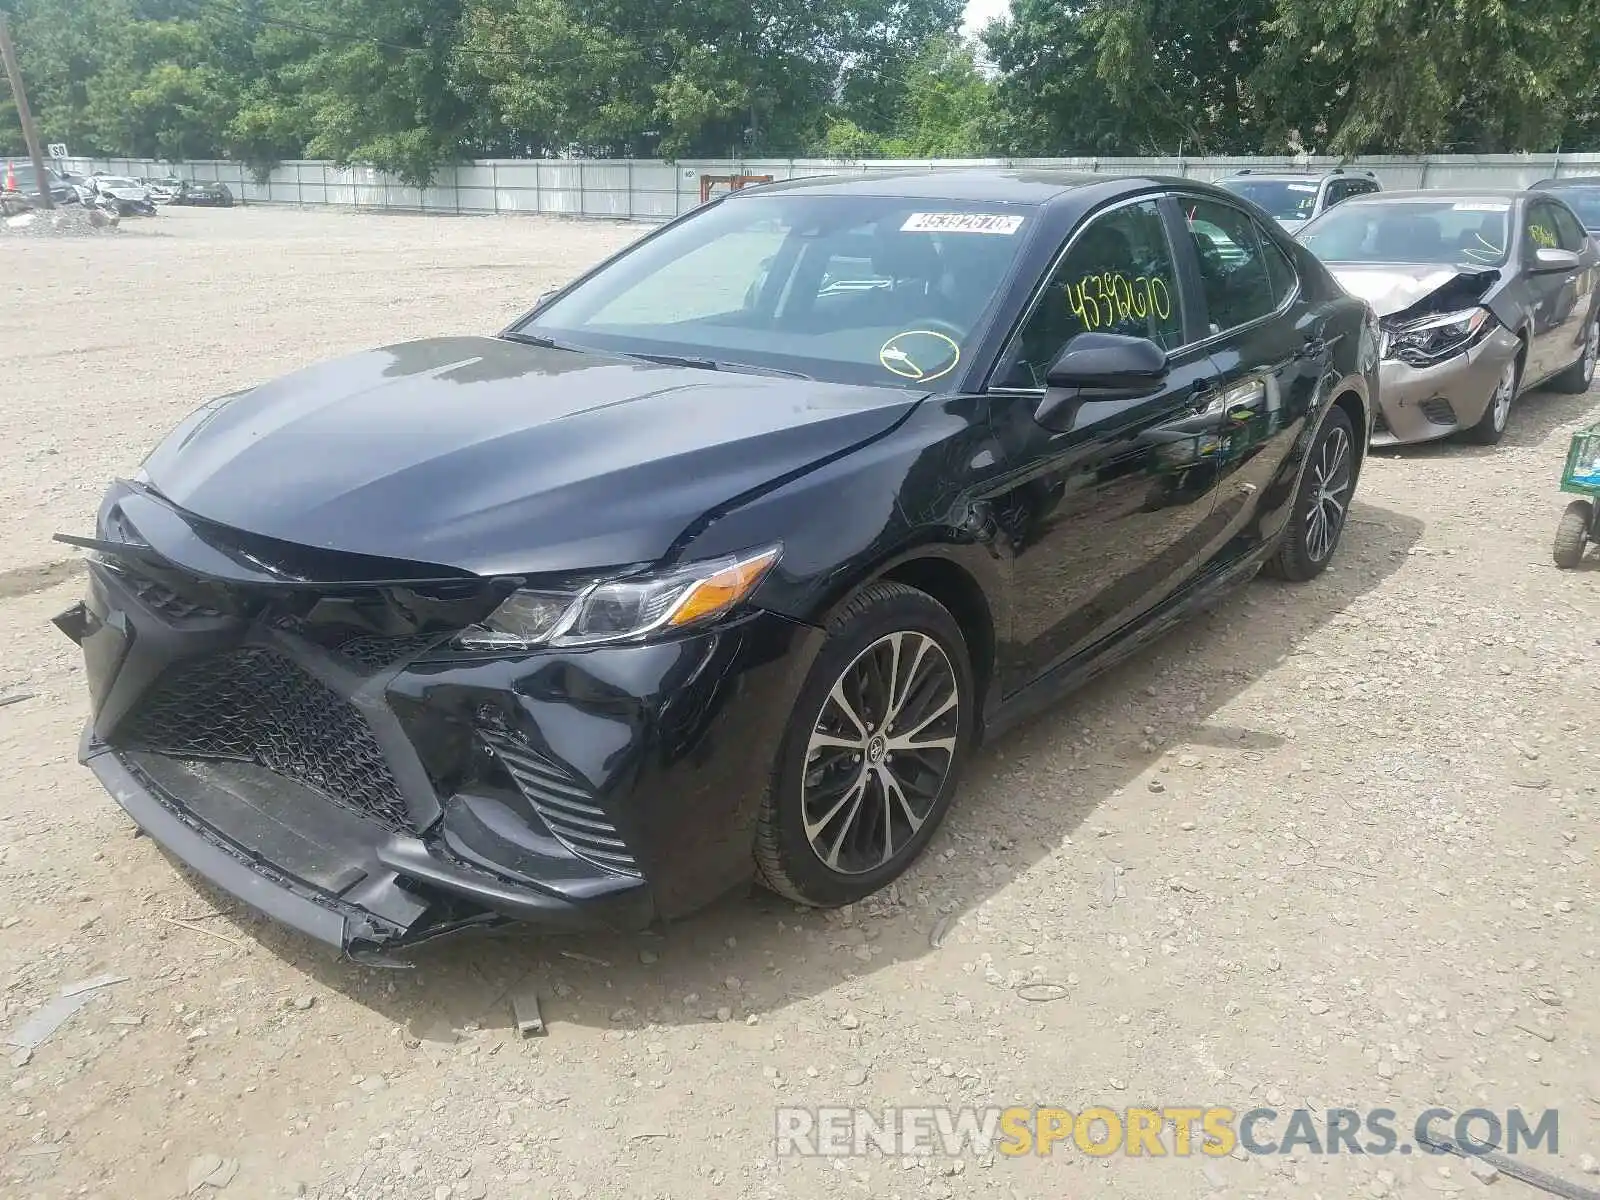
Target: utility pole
29, 133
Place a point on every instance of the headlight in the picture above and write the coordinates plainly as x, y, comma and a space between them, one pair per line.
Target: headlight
1423, 343
616, 610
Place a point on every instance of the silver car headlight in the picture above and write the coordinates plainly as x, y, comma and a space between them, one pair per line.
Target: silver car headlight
624, 609
1433, 339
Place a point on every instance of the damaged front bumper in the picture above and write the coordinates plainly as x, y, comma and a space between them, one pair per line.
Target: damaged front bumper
1420, 404
375, 790
329, 877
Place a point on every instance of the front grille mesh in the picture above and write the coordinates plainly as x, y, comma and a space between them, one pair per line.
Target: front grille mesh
565, 805
375, 653
254, 705
1438, 412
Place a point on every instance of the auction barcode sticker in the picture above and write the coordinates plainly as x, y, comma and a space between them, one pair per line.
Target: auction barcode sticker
961, 223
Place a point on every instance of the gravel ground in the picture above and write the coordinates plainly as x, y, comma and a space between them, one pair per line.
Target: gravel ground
1329, 845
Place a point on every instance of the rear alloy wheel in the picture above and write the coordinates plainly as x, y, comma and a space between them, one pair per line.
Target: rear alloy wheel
1580, 374
1321, 503
1572, 535
870, 762
1493, 422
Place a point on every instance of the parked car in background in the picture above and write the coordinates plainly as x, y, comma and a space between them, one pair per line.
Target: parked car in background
1481, 294
127, 196
1582, 194
164, 190
198, 193
1294, 197
21, 180
708, 569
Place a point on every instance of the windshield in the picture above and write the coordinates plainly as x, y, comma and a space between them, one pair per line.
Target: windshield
1585, 201
114, 181
849, 289
1285, 199
1442, 232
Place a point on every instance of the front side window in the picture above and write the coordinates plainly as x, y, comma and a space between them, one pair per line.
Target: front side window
1466, 232
849, 289
1233, 267
1117, 276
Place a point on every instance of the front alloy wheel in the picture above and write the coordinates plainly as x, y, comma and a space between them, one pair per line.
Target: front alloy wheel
869, 765
880, 752
1493, 422
1321, 504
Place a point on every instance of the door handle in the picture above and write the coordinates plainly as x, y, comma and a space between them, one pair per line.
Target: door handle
1202, 394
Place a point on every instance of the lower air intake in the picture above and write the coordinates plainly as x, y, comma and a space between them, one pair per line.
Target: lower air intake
565, 805
253, 705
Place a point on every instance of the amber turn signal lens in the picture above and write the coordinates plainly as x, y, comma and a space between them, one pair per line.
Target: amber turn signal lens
720, 592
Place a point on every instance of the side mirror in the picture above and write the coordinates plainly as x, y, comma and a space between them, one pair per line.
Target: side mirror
1099, 367
1550, 259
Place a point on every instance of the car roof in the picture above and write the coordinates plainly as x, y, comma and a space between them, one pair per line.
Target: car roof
1550, 185
1438, 195
995, 185
1290, 173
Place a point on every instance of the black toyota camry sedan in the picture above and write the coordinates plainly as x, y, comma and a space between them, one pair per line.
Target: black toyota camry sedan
717, 564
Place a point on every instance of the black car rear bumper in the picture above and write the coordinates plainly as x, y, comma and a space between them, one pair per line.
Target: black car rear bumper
375, 793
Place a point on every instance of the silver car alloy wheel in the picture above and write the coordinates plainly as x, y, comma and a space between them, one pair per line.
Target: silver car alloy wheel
1329, 496
1504, 393
1591, 350
880, 752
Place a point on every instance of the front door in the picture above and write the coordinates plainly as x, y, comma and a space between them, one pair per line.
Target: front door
1556, 313
1108, 518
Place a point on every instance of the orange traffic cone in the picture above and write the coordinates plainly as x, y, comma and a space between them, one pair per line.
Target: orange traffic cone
11, 177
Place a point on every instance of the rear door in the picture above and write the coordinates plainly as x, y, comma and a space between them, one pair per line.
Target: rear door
1108, 518
1269, 351
1573, 236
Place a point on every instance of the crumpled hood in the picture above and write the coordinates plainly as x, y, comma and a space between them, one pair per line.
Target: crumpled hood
1394, 287
494, 456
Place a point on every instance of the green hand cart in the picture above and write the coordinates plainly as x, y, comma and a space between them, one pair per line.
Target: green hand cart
1580, 524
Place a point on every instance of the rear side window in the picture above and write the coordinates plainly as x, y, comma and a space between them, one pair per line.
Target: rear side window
1280, 270
1568, 229
1234, 274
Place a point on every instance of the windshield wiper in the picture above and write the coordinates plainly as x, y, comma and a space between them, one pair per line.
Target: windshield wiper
677, 360
711, 364
547, 343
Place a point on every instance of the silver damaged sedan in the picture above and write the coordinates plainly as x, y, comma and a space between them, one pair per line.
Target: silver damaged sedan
1480, 294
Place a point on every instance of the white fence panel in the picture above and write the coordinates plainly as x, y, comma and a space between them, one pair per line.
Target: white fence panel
653, 190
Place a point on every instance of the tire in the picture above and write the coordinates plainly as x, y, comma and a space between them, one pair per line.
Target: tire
1492, 425
1321, 504
808, 810
1577, 378
1572, 535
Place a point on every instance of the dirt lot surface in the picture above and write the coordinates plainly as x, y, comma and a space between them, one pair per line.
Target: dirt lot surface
1330, 845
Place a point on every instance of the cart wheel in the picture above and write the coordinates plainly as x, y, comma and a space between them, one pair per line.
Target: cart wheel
1572, 535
